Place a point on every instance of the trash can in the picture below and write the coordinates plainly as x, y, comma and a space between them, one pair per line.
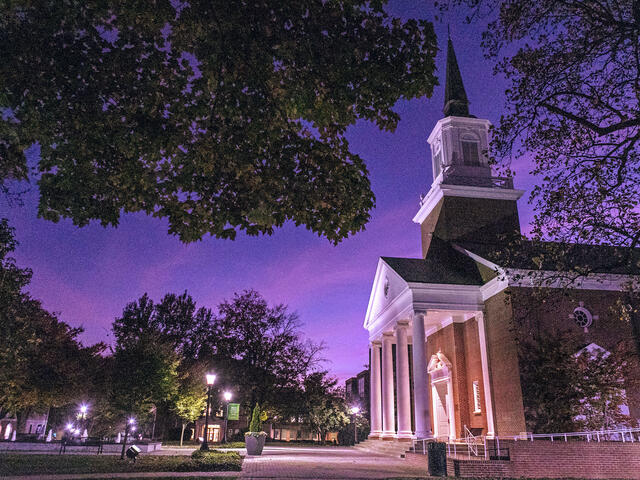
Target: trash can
437, 458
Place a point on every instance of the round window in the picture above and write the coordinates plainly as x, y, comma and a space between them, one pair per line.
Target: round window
582, 317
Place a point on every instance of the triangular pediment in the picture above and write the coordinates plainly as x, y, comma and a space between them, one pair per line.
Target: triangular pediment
388, 285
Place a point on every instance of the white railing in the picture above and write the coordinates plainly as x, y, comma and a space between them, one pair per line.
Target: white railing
470, 440
621, 435
473, 442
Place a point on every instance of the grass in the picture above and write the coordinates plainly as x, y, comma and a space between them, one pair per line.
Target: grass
17, 464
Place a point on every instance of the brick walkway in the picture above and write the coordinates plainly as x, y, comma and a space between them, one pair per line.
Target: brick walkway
328, 463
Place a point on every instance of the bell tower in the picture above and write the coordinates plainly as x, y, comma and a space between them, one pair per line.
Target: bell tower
466, 203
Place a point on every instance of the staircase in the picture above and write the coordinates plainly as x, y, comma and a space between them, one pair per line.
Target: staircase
384, 447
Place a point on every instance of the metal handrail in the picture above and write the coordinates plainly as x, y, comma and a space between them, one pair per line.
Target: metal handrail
470, 440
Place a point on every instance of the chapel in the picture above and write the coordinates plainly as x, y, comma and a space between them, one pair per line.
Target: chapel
444, 328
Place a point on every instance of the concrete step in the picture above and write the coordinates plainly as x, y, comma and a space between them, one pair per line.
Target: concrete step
382, 447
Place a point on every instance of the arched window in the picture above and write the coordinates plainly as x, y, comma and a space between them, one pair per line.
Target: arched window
470, 149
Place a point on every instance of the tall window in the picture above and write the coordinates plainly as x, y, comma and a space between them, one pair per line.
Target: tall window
476, 397
470, 154
361, 387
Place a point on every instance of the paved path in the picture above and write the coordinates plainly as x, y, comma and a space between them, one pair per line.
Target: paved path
311, 463
328, 463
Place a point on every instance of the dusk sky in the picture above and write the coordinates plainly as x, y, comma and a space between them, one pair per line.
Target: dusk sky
87, 275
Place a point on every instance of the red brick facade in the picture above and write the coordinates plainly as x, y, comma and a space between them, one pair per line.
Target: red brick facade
542, 459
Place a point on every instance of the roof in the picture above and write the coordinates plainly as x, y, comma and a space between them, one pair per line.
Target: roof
443, 265
559, 257
455, 97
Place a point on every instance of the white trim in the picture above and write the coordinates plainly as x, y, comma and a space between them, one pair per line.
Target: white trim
439, 191
486, 381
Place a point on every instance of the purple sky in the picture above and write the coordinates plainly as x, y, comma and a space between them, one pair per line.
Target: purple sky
87, 275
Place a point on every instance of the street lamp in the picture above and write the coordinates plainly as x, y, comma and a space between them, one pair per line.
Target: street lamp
129, 425
82, 416
227, 397
354, 412
211, 378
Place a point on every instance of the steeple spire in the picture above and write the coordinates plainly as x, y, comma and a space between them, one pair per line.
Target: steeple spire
455, 98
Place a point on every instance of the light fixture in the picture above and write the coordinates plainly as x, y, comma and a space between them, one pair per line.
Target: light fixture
211, 378
132, 421
227, 396
355, 410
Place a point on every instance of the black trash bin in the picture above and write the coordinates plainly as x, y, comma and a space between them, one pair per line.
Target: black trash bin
437, 459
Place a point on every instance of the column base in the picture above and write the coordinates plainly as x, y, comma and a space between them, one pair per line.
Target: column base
424, 435
388, 436
375, 435
404, 437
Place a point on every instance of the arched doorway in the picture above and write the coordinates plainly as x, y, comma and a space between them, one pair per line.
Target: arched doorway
439, 369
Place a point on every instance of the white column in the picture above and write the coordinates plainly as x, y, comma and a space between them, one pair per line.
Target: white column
376, 391
388, 417
420, 393
486, 383
402, 380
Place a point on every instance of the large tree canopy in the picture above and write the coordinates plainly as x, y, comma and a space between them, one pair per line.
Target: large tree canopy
218, 116
573, 108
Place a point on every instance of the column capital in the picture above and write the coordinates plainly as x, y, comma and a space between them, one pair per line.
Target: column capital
400, 324
387, 336
417, 312
375, 343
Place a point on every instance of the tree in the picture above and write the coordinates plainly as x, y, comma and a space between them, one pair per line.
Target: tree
144, 375
605, 377
324, 406
573, 107
191, 398
217, 116
42, 362
566, 388
175, 320
260, 348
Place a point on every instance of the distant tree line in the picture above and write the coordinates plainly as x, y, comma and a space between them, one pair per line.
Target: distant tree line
155, 370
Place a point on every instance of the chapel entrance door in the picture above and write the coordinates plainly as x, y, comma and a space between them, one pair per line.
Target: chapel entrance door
440, 410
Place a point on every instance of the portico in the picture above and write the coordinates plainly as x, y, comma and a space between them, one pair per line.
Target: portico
414, 387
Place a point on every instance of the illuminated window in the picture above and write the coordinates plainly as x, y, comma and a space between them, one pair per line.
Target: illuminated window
476, 397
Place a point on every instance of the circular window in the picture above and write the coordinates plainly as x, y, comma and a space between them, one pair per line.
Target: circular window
582, 317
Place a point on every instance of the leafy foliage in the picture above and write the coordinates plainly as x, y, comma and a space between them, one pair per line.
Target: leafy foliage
217, 116
323, 405
567, 389
259, 348
256, 419
42, 362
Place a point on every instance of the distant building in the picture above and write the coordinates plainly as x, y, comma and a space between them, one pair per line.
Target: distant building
357, 391
35, 426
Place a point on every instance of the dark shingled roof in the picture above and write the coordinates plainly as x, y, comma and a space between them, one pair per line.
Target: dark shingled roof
443, 264
553, 256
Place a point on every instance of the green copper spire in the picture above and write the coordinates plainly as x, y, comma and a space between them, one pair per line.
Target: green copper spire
455, 98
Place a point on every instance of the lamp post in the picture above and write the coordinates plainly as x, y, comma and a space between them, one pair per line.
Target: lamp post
211, 378
227, 397
82, 417
354, 412
129, 425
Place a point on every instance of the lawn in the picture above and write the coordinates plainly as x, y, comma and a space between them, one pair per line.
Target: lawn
190, 444
17, 464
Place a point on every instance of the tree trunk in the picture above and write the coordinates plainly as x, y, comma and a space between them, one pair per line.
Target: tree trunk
182, 432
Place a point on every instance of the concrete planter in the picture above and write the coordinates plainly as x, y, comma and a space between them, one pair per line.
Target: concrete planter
255, 443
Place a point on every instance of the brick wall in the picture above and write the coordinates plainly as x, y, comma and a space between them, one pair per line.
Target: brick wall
544, 310
504, 372
541, 459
